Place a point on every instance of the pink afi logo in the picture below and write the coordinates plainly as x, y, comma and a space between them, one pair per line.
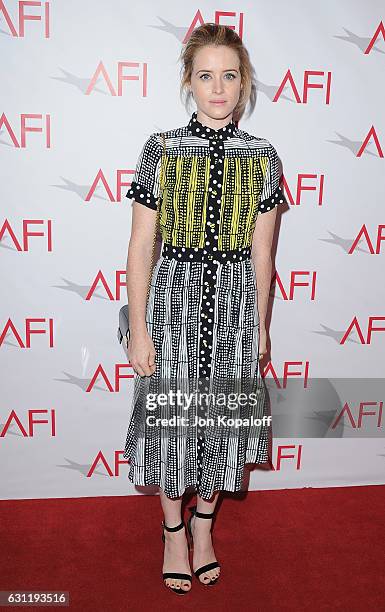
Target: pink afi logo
288, 456
21, 237
26, 425
32, 327
41, 13
43, 127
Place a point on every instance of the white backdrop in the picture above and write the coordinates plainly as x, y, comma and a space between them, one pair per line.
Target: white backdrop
70, 133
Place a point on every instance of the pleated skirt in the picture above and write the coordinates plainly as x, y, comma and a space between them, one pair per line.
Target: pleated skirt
203, 320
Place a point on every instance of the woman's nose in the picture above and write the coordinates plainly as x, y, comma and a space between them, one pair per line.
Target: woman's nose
217, 85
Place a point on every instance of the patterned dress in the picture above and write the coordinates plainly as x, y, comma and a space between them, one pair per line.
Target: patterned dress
202, 310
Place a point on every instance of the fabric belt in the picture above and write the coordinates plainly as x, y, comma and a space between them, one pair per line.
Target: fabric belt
195, 254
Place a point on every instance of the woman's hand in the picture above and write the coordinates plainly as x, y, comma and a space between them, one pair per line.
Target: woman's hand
262, 342
141, 353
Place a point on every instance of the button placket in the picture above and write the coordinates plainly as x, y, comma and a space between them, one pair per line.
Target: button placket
213, 201
210, 258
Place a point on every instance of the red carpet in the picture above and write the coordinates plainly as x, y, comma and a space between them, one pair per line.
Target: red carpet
302, 549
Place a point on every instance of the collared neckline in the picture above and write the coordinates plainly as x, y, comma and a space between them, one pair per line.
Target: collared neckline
203, 131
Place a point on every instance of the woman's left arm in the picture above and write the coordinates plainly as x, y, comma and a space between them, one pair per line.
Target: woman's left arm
261, 256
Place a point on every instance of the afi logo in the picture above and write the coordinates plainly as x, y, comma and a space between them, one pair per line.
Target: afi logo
375, 249
369, 329
302, 97
298, 278
198, 20
28, 332
120, 184
300, 370
347, 413
316, 183
110, 470
288, 453
24, 128
140, 74
114, 385
112, 294
26, 233
28, 429
43, 16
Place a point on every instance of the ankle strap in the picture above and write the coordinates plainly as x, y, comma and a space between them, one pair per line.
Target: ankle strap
201, 514
180, 526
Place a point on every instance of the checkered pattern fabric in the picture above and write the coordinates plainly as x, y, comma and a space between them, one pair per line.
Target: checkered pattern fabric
202, 310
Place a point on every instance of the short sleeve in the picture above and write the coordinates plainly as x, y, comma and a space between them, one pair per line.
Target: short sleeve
272, 193
145, 184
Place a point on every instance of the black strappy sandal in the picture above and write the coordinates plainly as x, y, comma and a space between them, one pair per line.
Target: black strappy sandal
208, 566
177, 575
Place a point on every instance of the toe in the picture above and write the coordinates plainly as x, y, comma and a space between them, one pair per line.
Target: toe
214, 574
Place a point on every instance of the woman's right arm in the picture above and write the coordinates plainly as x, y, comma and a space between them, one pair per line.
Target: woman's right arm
141, 350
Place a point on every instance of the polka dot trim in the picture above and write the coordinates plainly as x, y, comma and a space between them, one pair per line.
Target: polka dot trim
272, 202
211, 253
142, 195
203, 131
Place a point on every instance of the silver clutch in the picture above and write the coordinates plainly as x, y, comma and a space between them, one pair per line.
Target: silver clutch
123, 329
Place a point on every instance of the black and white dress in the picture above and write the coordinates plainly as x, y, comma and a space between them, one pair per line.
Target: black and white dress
202, 311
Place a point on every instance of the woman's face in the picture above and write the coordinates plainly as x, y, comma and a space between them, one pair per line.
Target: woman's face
216, 84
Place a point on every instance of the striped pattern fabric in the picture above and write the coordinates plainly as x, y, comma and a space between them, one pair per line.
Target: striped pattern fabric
250, 185
168, 456
202, 311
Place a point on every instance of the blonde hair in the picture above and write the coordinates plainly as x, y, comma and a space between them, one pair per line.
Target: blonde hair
214, 34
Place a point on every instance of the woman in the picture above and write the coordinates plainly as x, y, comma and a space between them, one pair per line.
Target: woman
203, 327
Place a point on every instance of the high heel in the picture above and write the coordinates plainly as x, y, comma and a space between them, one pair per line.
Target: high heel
208, 566
177, 575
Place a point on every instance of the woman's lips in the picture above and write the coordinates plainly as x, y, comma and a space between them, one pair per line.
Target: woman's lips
217, 101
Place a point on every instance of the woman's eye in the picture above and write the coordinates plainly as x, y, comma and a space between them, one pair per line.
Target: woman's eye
229, 76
